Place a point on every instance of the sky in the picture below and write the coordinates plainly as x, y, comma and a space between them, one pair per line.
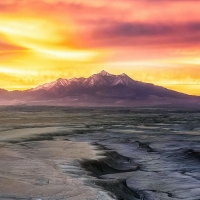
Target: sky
156, 41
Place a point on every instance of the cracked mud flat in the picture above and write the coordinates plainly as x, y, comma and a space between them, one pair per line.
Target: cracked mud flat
78, 154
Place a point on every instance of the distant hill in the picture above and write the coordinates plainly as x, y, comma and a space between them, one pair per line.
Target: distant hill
99, 89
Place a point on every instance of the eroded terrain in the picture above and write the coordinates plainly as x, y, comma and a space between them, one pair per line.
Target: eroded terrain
68, 153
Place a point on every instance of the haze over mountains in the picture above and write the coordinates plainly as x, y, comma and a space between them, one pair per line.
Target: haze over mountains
99, 89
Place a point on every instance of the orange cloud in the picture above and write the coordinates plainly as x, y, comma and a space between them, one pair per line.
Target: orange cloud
47, 39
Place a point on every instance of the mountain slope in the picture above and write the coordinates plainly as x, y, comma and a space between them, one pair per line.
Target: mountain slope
104, 84
99, 89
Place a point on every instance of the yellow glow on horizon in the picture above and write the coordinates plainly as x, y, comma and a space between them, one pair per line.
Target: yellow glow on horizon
192, 89
41, 41
16, 71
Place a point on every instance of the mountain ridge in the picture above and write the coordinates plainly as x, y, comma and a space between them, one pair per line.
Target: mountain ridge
99, 89
98, 80
93, 79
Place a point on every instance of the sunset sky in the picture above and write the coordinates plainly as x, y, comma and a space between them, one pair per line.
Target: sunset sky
155, 41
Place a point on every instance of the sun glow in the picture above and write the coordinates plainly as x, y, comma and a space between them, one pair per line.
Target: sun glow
48, 39
16, 71
40, 36
68, 54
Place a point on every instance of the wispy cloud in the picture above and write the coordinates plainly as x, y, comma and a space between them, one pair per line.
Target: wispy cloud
54, 38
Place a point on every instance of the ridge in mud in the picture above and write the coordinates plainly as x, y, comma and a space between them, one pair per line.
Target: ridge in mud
117, 187
193, 154
15, 198
105, 166
37, 138
144, 146
111, 163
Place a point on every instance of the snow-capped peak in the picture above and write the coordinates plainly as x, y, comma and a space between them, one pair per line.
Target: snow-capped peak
48, 86
62, 81
123, 79
101, 79
124, 75
104, 73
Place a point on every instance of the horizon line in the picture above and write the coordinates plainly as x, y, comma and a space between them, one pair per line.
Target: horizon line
102, 71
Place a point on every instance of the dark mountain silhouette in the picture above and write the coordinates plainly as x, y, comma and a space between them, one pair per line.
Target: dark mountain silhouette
101, 88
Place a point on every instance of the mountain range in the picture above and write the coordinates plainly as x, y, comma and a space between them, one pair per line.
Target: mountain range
99, 89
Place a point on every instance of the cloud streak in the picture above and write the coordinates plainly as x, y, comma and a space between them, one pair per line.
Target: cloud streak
54, 38
175, 34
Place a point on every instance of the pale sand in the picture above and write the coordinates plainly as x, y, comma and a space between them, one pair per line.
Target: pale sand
24, 132
33, 169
